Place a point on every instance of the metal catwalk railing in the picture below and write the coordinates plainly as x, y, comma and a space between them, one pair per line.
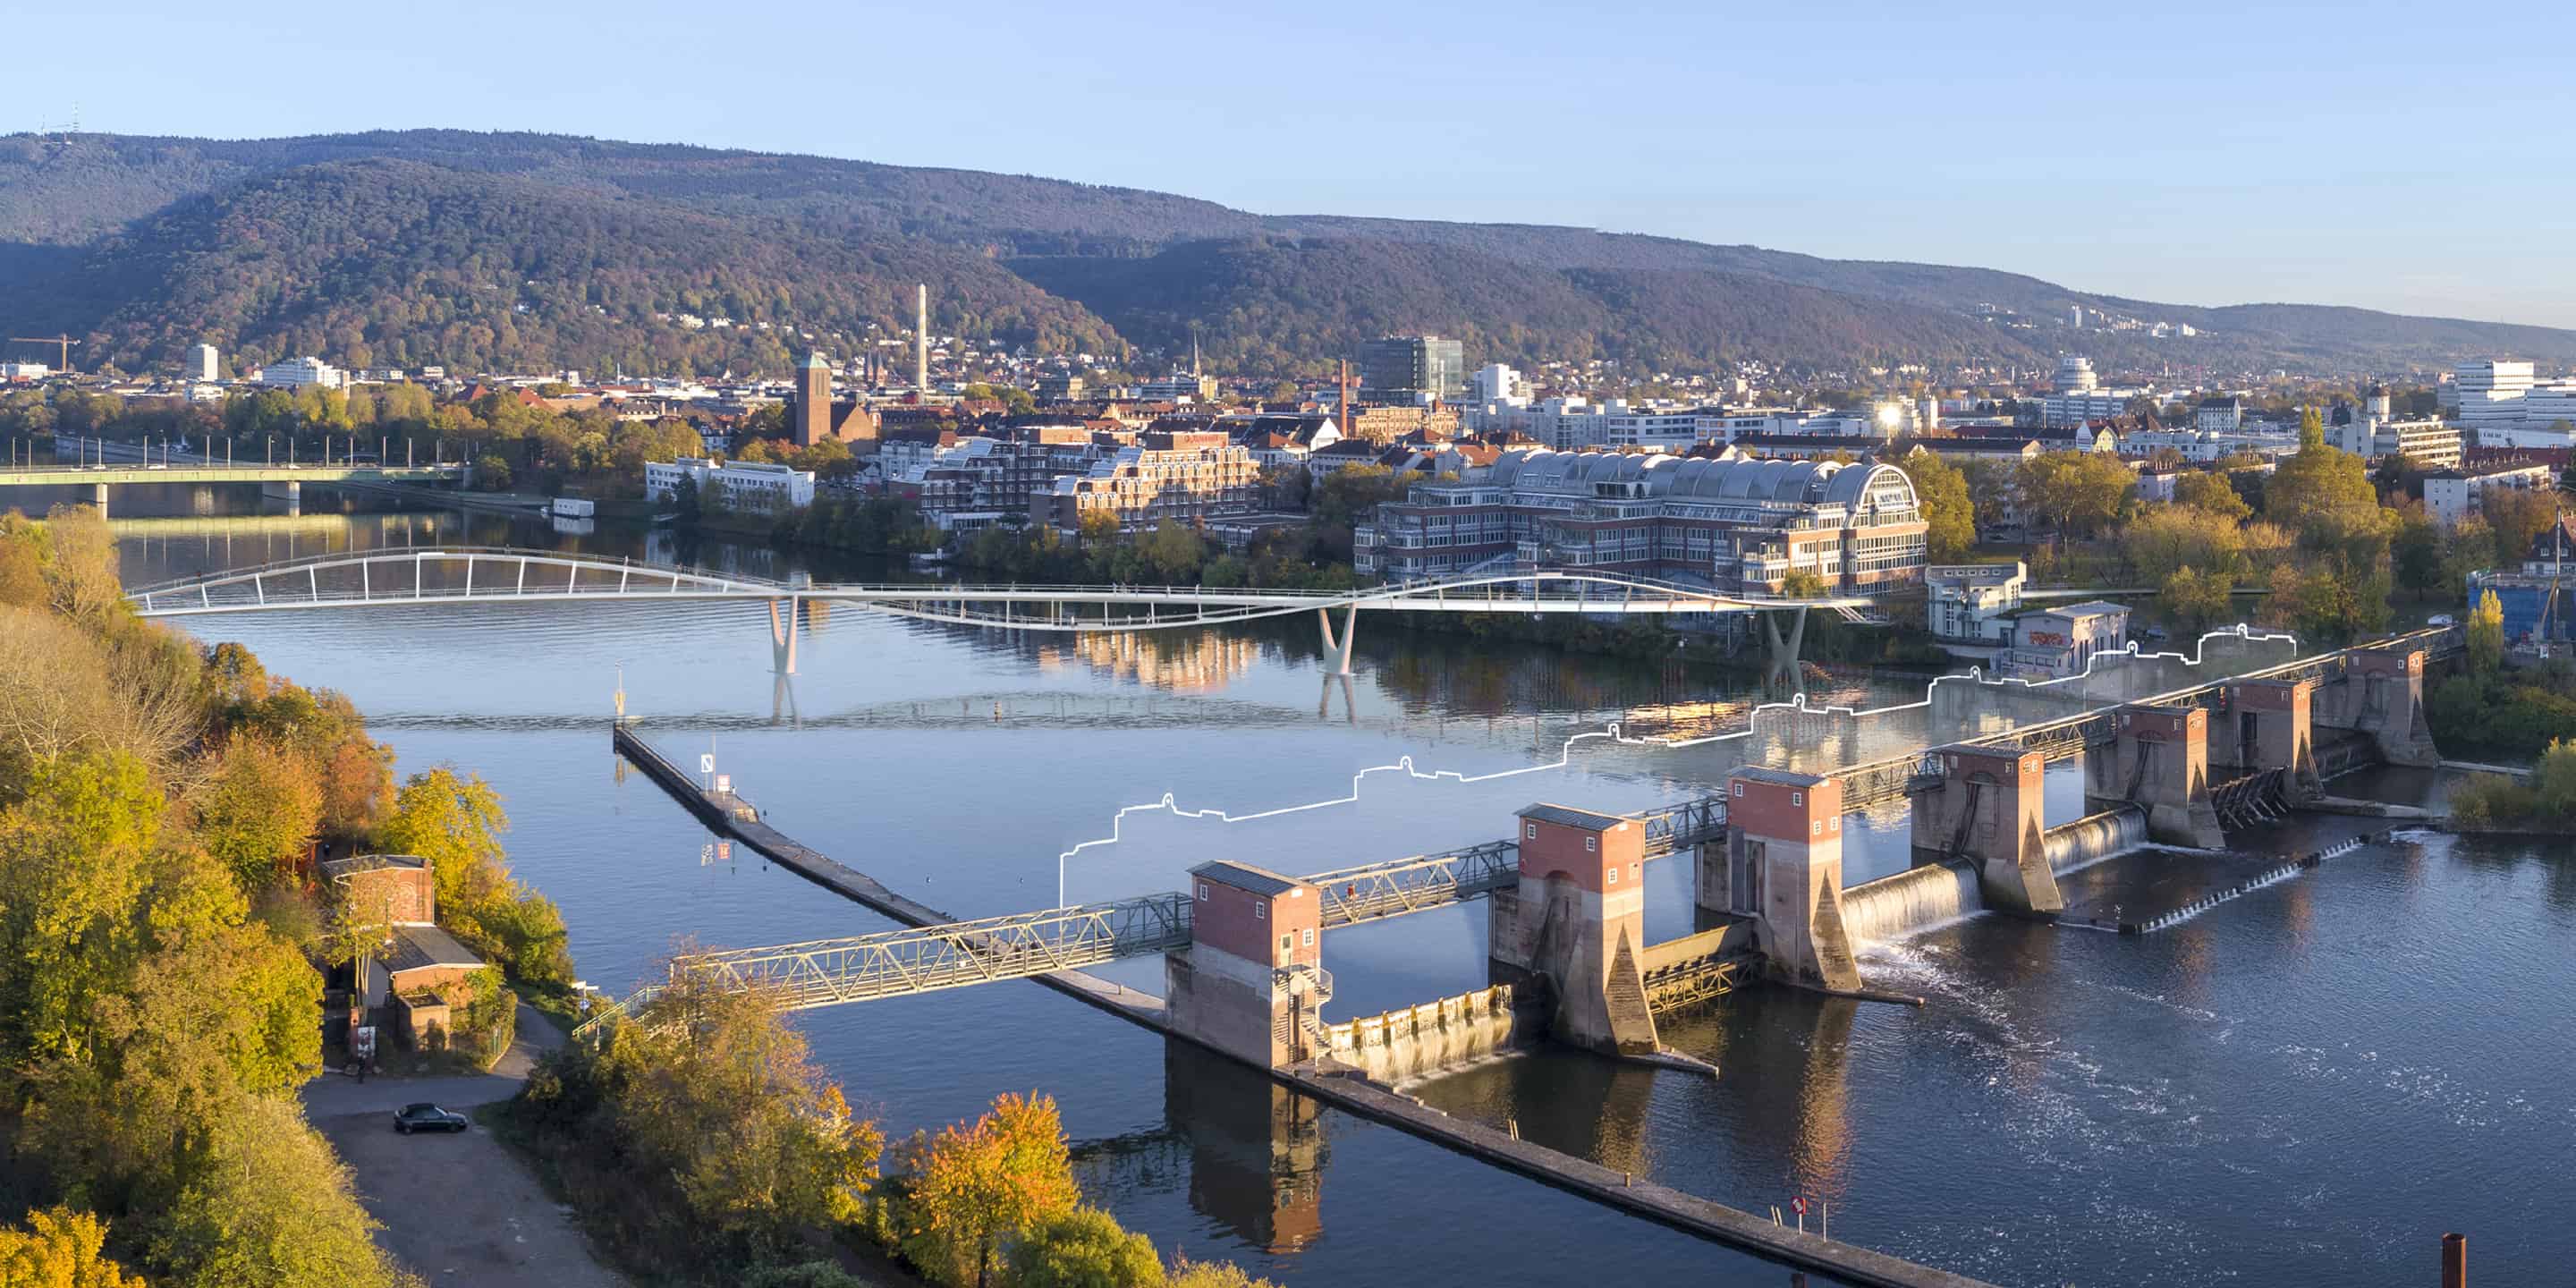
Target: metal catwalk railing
470, 573
859, 968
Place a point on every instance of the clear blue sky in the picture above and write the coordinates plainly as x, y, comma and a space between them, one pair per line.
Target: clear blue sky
2406, 157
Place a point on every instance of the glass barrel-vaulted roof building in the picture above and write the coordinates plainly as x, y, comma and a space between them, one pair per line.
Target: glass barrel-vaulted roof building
1734, 525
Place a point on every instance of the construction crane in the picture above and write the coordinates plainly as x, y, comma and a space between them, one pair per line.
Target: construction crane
63, 343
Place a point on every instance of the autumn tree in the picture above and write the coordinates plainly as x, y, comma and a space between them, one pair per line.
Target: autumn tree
2486, 635
2211, 493
260, 809
2077, 493
63, 1248
1941, 493
979, 1184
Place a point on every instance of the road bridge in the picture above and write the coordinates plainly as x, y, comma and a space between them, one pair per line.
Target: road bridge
284, 480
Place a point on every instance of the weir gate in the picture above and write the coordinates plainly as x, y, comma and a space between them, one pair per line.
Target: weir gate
2163, 762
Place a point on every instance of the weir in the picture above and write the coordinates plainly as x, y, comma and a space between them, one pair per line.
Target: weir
2095, 837
1334, 1084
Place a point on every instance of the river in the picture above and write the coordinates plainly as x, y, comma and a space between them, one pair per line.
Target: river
2308, 1084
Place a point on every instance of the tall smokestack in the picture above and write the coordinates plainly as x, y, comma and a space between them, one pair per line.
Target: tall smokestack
921, 339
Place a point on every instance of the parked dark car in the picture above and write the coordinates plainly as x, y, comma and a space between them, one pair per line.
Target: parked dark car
428, 1117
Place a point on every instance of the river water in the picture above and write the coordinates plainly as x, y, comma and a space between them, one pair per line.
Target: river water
2308, 1084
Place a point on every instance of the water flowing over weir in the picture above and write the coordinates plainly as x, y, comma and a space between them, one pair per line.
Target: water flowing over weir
1877, 911
1918, 898
2094, 837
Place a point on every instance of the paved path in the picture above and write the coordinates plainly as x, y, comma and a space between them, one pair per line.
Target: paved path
334, 1094
457, 1209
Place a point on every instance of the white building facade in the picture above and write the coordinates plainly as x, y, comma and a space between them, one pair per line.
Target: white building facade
751, 487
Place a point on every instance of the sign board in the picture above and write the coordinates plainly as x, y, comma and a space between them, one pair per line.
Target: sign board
706, 762
724, 784
1799, 1205
362, 1041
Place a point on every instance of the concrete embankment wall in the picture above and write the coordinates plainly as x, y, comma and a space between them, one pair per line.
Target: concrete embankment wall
1877, 911
2096, 836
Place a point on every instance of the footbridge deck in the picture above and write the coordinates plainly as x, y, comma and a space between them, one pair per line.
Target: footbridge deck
393, 577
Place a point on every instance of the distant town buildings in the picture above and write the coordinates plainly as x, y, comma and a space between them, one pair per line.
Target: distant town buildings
2536, 608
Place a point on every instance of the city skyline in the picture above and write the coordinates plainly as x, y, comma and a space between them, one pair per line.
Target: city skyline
2201, 157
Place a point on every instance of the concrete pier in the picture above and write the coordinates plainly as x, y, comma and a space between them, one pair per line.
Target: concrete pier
1251, 983
2383, 696
1785, 870
1987, 812
1578, 920
2160, 763
2267, 724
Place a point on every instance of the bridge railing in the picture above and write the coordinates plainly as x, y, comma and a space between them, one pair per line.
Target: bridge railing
1373, 891
857, 968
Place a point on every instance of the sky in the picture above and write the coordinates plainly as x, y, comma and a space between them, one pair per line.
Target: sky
2413, 158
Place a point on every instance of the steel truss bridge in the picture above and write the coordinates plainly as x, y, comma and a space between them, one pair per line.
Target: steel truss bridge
861, 968
480, 574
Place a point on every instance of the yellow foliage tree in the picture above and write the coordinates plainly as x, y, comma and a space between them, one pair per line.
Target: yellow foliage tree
60, 1248
979, 1184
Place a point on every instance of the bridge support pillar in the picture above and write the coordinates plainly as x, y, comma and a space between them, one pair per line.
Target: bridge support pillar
1785, 677
2160, 763
782, 635
98, 497
1578, 919
1784, 869
1337, 653
291, 491
1987, 811
1252, 980
2267, 724
2383, 696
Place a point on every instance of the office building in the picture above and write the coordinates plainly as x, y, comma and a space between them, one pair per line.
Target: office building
1412, 369
295, 373
204, 363
2490, 393
744, 487
2075, 374
1734, 525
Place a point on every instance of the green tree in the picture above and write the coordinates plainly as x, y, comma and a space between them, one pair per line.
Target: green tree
977, 1185
1211, 1274
1802, 583
1941, 492
1084, 1248
2416, 551
2486, 635
455, 822
2194, 599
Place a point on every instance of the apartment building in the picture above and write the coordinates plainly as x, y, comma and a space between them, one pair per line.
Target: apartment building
751, 487
1734, 525
1165, 476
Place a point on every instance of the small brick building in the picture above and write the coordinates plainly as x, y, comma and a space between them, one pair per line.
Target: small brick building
419, 971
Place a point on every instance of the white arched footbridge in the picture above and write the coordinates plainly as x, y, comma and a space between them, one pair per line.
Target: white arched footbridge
391, 577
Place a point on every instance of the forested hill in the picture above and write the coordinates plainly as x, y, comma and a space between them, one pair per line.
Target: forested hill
376, 262
527, 249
